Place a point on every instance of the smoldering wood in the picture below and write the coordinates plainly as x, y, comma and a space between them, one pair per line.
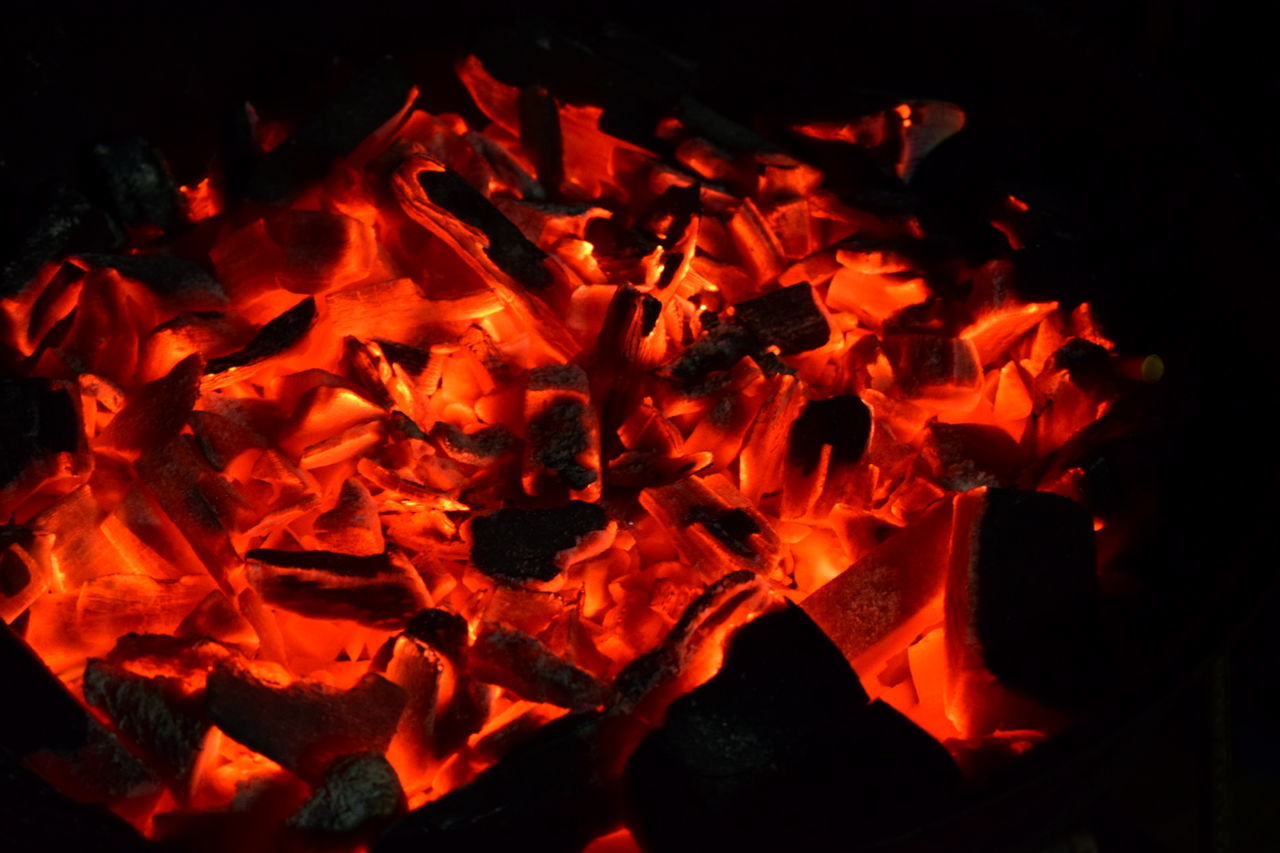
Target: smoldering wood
481, 447
843, 423
522, 544
60, 222
273, 338
511, 658
356, 790
135, 183
380, 590
37, 417
181, 281
540, 135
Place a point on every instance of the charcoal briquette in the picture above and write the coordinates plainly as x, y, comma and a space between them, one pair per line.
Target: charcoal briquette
522, 544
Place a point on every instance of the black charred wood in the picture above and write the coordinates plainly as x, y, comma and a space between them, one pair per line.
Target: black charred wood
135, 183
723, 346
411, 358
779, 751
521, 663
966, 456
180, 281
442, 630
272, 339
42, 714
788, 319
37, 417
558, 436
356, 791
481, 447
60, 223
540, 135
380, 590
522, 544
843, 423
367, 102
733, 527
1088, 364
548, 795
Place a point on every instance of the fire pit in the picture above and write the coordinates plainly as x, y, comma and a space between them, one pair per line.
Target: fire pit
413, 480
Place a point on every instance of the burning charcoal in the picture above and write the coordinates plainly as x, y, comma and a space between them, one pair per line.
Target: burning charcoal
788, 319
417, 668
966, 456
444, 631
61, 223
217, 618
481, 447
563, 451
890, 594
780, 750
181, 282
536, 544
37, 417
380, 590
23, 579
519, 662
158, 411
369, 100
540, 136
272, 339
158, 714
305, 726
136, 183
352, 526
356, 790
222, 439
548, 794
1021, 602
925, 125
713, 524
303, 251
723, 346
934, 367
48, 717
842, 423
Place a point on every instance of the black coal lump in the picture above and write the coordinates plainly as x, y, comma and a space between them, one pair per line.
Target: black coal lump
780, 751
557, 437
844, 422
59, 222
733, 527
548, 795
35, 418
135, 183
521, 544
1036, 612
788, 319
508, 247
168, 276
272, 339
327, 561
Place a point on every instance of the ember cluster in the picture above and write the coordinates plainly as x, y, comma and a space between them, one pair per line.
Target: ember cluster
409, 482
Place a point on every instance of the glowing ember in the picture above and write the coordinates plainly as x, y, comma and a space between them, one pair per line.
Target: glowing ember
434, 453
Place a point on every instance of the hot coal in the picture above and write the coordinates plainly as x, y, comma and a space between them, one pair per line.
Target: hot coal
368, 101
37, 417
158, 411
780, 750
548, 795
377, 590
966, 456
540, 134
523, 544
60, 223
557, 437
475, 448
306, 726
843, 423
181, 281
723, 346
135, 182
444, 631
411, 358
788, 319
356, 790
733, 527
523, 664
273, 338
510, 250
47, 716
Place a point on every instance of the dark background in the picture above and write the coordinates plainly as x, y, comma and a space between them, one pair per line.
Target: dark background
1157, 115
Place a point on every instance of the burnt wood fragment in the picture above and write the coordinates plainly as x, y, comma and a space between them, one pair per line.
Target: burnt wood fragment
368, 101
843, 423
733, 527
135, 183
548, 795
37, 417
356, 790
481, 447
306, 726
273, 338
540, 135
61, 222
779, 751
158, 411
521, 663
379, 589
558, 436
523, 544
788, 319
723, 346
444, 631
181, 281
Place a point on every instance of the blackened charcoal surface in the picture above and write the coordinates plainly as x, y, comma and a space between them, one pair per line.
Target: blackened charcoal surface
557, 436
368, 101
508, 248
723, 346
442, 630
1036, 613
135, 183
548, 795
971, 455
1085, 361
35, 418
779, 751
411, 358
61, 222
168, 276
788, 319
272, 339
357, 790
843, 422
733, 527
521, 544
475, 448
522, 664
328, 561
540, 135
40, 713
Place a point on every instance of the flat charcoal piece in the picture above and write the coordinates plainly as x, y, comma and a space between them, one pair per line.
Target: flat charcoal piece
1021, 603
723, 346
272, 339
548, 795
563, 451
62, 222
135, 183
541, 137
934, 366
843, 423
368, 101
713, 525
521, 663
481, 447
37, 417
158, 411
780, 751
966, 456
157, 714
306, 726
442, 630
352, 526
788, 319
47, 716
531, 544
381, 590
356, 791
509, 249
181, 281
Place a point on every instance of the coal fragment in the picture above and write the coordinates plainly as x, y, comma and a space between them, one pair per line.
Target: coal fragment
272, 339
523, 544
356, 790
61, 222
540, 135
158, 411
780, 750
381, 590
521, 663
843, 423
509, 249
179, 280
369, 100
548, 795
135, 183
788, 319
47, 716
966, 456
557, 437
442, 630
473, 448
306, 726
733, 527
37, 417
723, 346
